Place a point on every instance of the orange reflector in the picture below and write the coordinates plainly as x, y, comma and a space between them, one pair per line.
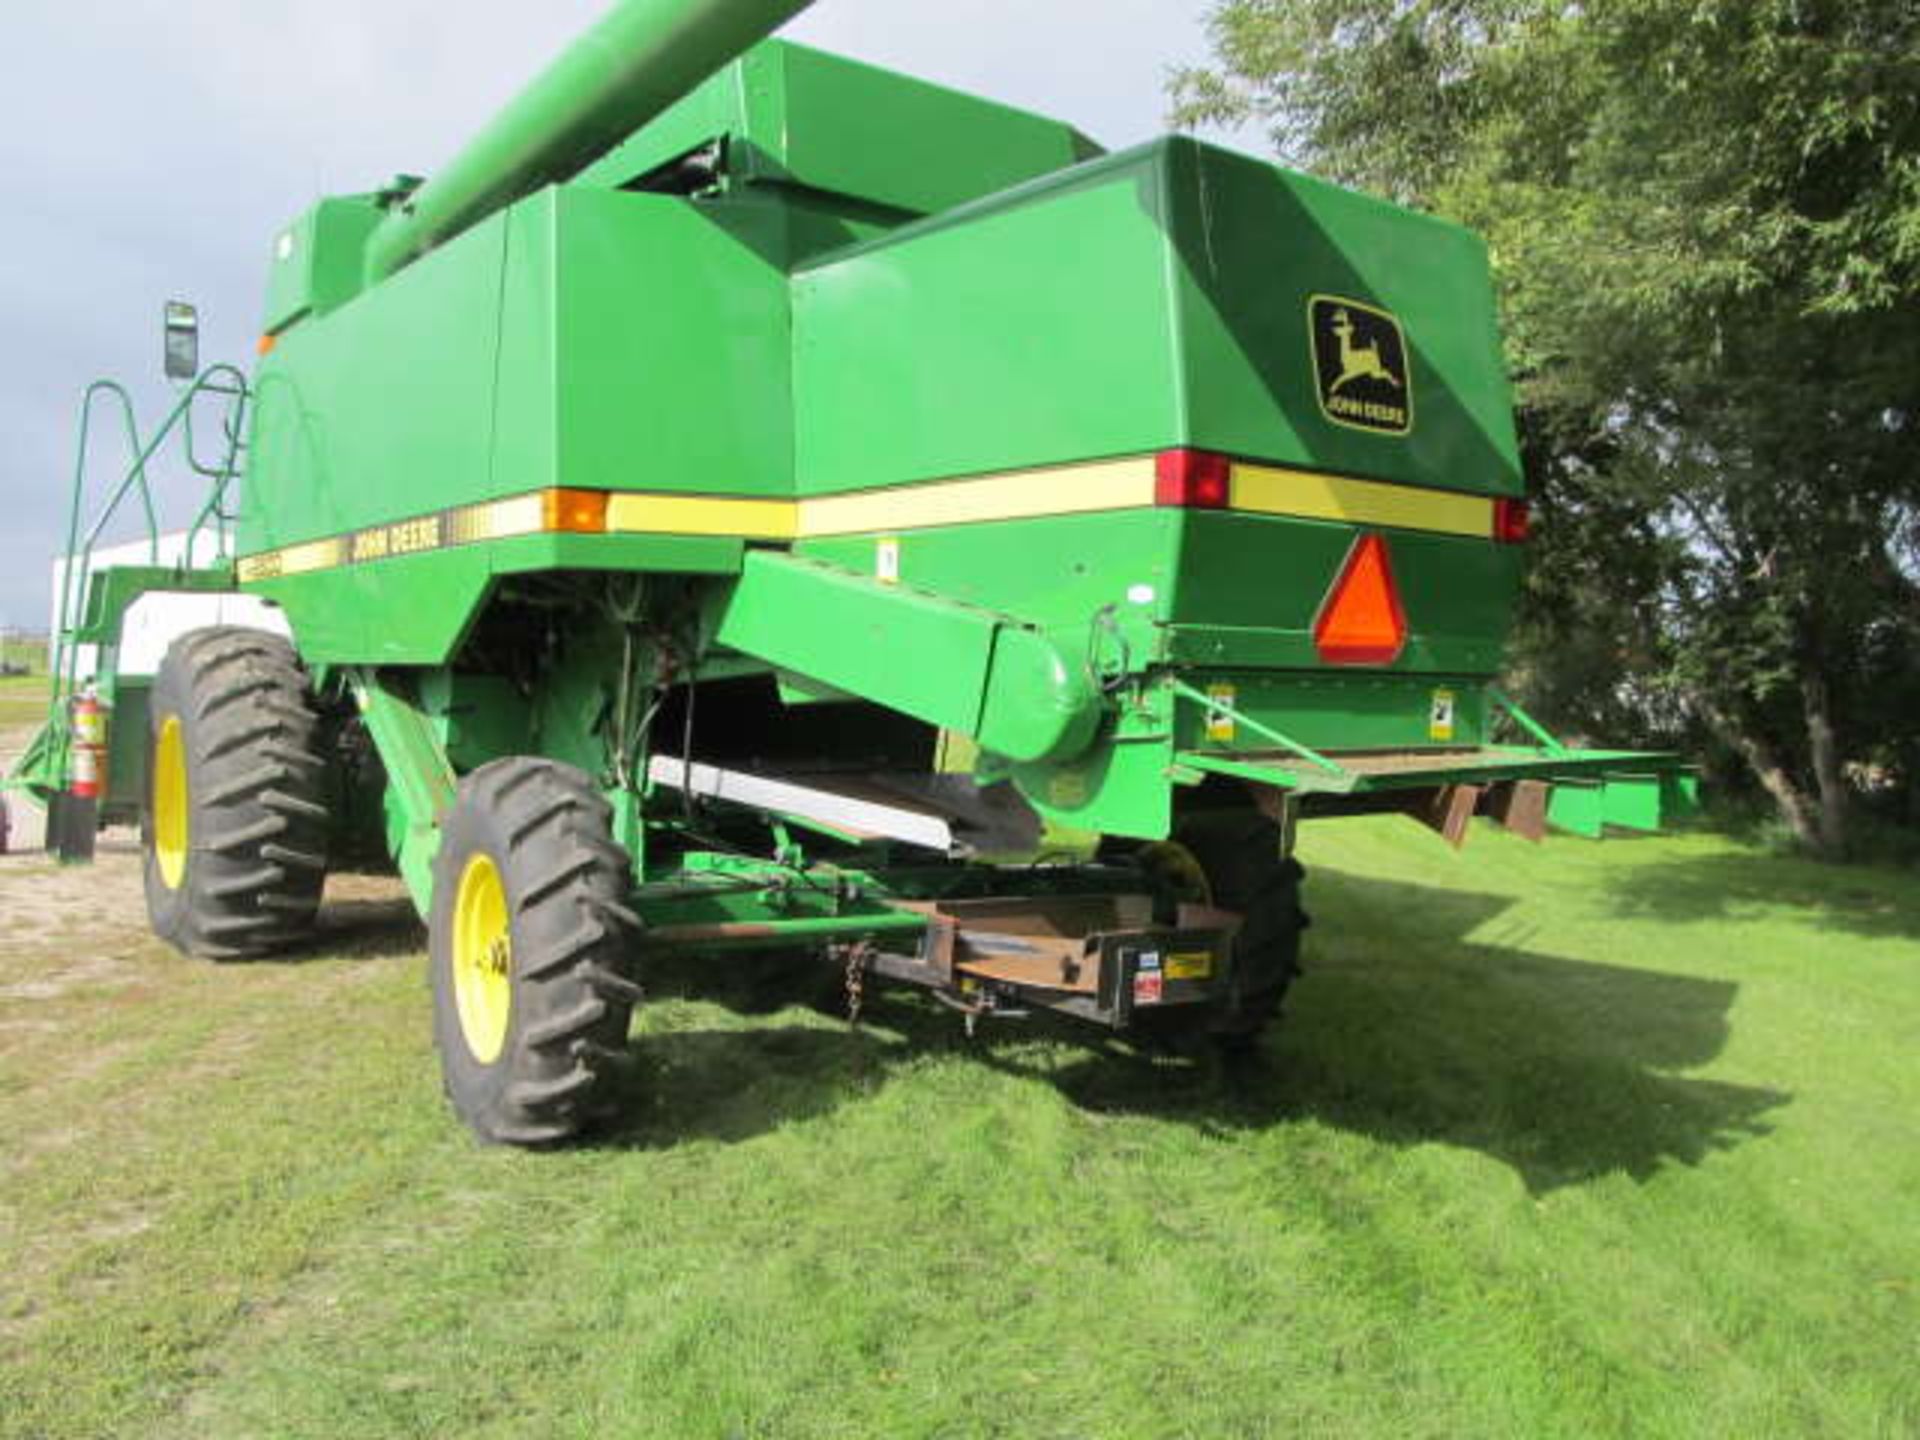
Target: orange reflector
1361, 621
267, 343
574, 512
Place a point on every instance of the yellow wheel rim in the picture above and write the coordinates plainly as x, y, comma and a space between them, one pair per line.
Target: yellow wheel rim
170, 807
1175, 869
482, 959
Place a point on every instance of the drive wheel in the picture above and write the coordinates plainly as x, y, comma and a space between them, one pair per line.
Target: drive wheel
235, 824
531, 952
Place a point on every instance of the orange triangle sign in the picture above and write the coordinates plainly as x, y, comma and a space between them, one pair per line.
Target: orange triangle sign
1361, 620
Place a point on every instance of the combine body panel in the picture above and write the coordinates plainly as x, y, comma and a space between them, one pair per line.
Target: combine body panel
746, 488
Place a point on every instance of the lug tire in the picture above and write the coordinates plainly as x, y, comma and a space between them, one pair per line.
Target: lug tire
1238, 850
547, 836
244, 879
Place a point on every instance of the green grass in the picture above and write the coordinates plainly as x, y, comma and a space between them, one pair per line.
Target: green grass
31, 653
1590, 1139
23, 700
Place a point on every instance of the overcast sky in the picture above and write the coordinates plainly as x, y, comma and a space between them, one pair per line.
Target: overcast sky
154, 148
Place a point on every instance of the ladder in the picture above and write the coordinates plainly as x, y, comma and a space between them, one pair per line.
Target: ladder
90, 606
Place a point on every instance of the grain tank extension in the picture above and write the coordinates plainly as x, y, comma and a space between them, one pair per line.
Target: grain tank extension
749, 500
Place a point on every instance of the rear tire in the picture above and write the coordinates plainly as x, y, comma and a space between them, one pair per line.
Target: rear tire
1237, 850
532, 948
235, 821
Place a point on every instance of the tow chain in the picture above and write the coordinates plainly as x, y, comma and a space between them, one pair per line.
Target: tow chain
859, 955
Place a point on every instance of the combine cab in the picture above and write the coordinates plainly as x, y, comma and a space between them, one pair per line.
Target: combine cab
750, 500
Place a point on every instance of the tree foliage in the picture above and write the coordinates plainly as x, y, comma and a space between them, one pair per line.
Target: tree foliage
1705, 219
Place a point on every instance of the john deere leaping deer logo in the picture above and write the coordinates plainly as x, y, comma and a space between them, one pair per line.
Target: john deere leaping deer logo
1360, 365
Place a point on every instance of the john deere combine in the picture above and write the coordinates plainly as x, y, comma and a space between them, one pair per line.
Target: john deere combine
752, 500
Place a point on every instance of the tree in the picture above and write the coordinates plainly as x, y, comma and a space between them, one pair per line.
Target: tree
1705, 219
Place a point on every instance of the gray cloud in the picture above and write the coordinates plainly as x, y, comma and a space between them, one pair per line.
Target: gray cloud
153, 150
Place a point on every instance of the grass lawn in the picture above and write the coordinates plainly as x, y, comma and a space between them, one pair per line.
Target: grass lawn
1583, 1140
23, 700
30, 653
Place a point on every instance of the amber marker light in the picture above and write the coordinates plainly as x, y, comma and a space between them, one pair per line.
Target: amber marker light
573, 512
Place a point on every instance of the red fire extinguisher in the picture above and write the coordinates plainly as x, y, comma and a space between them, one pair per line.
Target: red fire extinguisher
89, 726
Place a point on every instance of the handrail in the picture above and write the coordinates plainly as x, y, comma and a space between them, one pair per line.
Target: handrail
1286, 742
223, 476
1525, 721
77, 560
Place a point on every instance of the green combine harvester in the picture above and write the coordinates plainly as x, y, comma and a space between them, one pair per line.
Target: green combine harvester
749, 500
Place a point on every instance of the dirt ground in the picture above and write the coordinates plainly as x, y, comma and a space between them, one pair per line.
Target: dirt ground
93, 910
98, 912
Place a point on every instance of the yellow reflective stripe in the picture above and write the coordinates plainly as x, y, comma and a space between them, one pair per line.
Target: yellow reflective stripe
1021, 495
295, 560
502, 520
700, 515
1265, 490
1103, 486
315, 556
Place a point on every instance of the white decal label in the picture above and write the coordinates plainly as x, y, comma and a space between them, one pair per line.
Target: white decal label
1220, 724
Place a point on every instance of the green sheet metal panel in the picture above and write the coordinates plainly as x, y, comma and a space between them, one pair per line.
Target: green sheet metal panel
1632, 802
380, 410
426, 602
129, 738
525, 400
803, 117
926, 658
1330, 711
855, 130
1579, 808
1034, 328
955, 666
1067, 574
1159, 297
1250, 587
645, 346
1123, 785
319, 261
408, 610
1256, 245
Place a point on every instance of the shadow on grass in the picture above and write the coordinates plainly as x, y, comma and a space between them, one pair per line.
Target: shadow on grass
365, 929
1869, 901
1404, 1030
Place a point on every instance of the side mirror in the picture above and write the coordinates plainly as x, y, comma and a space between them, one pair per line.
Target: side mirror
183, 341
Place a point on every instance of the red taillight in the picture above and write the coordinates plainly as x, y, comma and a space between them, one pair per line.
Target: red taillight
1361, 621
1512, 521
1192, 480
